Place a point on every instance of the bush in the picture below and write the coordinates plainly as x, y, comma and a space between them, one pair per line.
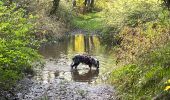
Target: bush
110, 35
143, 51
144, 80
17, 41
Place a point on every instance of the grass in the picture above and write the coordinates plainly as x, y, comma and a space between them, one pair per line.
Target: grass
91, 21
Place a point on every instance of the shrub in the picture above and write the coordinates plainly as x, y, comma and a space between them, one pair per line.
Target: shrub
17, 41
143, 51
110, 35
144, 80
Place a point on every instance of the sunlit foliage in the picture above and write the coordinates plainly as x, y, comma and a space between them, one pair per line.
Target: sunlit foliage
17, 41
143, 28
145, 79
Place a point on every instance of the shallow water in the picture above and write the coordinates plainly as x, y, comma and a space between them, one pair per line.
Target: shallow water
57, 81
58, 58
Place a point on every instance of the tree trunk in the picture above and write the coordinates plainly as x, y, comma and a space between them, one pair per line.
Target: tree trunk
167, 3
85, 2
91, 5
55, 6
74, 3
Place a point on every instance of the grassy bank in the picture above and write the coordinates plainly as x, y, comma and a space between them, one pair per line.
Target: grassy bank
145, 79
143, 54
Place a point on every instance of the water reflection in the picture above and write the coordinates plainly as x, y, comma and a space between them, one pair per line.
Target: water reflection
77, 43
59, 57
85, 77
84, 43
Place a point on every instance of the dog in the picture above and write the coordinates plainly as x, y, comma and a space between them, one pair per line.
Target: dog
85, 59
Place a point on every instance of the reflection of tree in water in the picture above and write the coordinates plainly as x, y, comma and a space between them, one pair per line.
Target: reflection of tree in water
84, 43
86, 40
79, 43
86, 77
91, 43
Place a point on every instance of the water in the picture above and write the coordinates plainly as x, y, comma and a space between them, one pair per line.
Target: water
58, 58
57, 81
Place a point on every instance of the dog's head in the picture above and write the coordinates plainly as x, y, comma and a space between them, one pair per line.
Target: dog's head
95, 63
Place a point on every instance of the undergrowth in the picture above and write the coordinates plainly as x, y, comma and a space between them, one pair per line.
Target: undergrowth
17, 45
145, 79
143, 53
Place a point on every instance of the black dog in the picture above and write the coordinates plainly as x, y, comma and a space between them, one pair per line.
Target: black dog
85, 59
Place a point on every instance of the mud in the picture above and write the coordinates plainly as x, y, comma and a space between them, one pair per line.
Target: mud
60, 89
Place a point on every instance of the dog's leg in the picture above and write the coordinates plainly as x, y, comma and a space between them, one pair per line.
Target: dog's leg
72, 64
76, 65
90, 66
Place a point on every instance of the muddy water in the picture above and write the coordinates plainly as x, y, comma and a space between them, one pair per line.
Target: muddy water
58, 58
57, 81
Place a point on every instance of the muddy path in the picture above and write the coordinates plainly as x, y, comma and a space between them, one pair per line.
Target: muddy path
57, 81
60, 89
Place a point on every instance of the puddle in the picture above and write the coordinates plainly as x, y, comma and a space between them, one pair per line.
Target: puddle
58, 58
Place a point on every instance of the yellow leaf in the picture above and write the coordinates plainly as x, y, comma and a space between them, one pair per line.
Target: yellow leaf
169, 81
167, 88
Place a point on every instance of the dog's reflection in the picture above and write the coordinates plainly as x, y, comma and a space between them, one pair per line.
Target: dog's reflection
85, 77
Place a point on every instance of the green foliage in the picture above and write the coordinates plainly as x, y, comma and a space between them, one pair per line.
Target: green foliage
142, 12
143, 80
147, 66
112, 39
8, 78
16, 44
144, 49
134, 13
78, 18
159, 57
92, 21
119, 14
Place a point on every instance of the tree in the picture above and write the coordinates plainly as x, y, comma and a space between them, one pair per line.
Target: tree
92, 4
74, 3
167, 3
89, 4
55, 6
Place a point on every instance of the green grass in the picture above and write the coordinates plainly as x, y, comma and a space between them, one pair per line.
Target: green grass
91, 21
